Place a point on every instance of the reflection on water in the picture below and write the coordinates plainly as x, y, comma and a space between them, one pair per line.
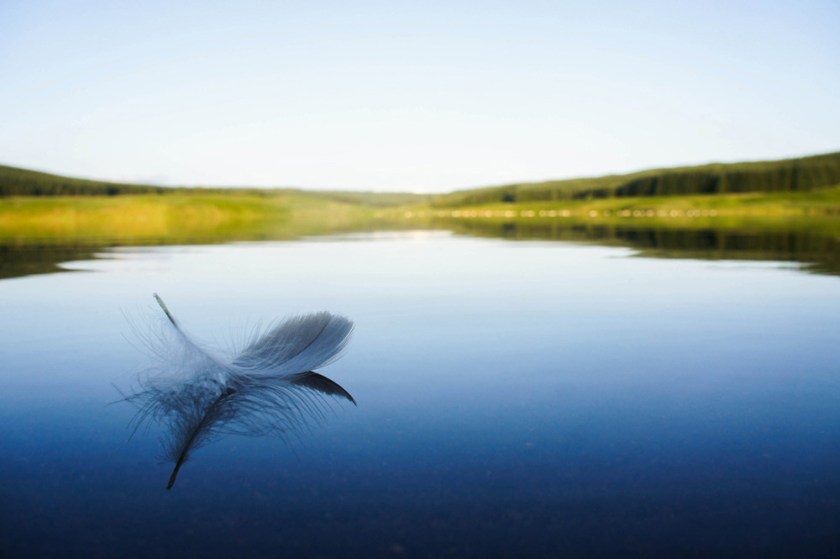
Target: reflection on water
818, 250
18, 260
815, 245
267, 389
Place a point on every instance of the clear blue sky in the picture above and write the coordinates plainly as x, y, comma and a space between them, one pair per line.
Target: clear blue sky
423, 96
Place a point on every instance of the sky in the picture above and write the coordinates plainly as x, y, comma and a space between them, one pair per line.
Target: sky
419, 96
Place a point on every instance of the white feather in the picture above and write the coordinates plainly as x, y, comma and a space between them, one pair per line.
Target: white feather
270, 388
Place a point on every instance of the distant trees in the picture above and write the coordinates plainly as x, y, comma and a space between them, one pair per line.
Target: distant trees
22, 182
790, 175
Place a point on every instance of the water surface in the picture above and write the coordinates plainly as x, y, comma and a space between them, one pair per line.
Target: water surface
541, 398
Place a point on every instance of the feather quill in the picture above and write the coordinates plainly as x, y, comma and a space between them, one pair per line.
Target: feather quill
269, 388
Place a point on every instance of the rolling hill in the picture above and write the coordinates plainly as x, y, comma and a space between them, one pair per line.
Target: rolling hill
788, 175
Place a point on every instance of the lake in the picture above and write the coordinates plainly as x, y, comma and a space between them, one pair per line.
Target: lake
522, 391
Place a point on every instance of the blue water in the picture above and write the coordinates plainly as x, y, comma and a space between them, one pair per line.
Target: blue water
529, 399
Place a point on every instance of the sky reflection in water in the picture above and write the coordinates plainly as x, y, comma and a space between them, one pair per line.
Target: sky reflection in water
529, 399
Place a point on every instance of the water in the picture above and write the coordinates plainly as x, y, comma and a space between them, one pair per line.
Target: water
515, 399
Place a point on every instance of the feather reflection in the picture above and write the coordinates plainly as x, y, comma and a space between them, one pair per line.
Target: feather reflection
270, 388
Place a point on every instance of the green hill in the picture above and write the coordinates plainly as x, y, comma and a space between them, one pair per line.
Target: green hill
784, 176
788, 175
23, 182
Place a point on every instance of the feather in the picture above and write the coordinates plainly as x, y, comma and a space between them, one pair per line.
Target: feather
269, 388
322, 384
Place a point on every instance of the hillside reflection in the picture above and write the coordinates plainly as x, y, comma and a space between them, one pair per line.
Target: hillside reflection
18, 260
815, 245
818, 251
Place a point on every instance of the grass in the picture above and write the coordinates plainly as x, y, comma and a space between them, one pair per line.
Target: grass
173, 218
816, 203
131, 217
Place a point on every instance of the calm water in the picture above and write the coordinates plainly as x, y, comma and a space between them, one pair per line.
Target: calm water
530, 399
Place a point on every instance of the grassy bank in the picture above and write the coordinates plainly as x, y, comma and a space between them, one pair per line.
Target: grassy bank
172, 218
203, 217
816, 203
